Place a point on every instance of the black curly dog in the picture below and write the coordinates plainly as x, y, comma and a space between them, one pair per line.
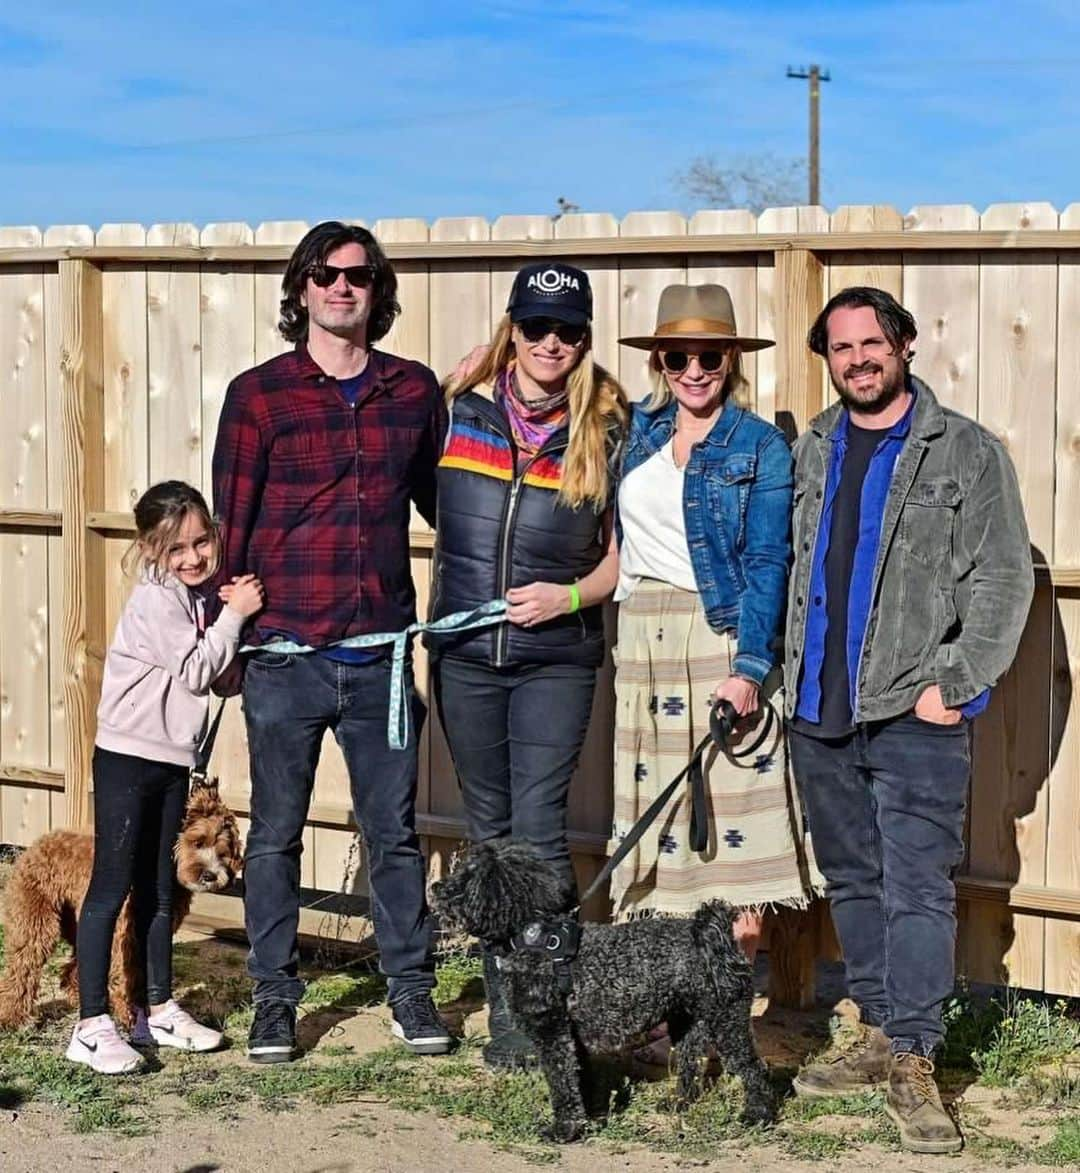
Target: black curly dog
625, 979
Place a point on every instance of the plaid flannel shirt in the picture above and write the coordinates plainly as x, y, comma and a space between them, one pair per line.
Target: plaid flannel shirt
313, 495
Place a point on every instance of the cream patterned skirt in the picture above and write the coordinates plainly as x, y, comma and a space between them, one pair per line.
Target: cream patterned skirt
669, 661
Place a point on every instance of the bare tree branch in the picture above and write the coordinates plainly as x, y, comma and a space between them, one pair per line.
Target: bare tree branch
743, 181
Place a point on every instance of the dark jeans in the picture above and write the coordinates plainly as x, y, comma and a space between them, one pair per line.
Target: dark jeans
885, 808
138, 808
515, 735
289, 702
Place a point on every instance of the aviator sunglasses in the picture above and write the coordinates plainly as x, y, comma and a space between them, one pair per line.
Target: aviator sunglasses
358, 276
676, 361
536, 329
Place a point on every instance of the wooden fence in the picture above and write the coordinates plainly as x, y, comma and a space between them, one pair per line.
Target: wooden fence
117, 347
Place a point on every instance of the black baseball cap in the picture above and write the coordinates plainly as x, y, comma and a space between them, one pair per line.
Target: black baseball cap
550, 289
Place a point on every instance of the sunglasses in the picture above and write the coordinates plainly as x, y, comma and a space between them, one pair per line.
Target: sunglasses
676, 361
358, 276
537, 329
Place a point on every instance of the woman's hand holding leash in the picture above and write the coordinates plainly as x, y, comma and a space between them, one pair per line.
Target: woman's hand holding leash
741, 693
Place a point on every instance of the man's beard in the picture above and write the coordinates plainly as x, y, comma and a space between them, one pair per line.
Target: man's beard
888, 393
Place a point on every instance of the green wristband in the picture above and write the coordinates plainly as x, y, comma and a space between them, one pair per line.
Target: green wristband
575, 598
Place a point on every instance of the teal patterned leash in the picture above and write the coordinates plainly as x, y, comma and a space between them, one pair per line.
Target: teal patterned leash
397, 729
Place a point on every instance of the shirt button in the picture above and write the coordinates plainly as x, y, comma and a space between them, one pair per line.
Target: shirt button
322, 379
818, 494
817, 600
806, 545
798, 601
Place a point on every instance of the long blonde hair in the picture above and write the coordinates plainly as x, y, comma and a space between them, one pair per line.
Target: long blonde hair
597, 404
736, 385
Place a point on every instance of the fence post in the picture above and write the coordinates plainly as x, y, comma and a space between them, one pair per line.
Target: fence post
795, 936
799, 297
82, 418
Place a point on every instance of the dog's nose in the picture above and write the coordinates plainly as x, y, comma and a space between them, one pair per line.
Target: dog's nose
208, 878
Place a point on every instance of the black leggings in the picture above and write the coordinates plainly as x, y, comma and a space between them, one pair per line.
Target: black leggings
138, 809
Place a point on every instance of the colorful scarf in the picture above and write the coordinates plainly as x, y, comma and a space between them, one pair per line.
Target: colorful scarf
532, 424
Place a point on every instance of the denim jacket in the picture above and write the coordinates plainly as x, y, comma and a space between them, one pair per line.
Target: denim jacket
737, 507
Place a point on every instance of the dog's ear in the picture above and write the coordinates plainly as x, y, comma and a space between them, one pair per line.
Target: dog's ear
202, 784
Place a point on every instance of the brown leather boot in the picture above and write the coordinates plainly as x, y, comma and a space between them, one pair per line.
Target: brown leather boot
912, 1101
862, 1067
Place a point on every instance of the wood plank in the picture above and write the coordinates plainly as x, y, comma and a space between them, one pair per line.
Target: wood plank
640, 285
738, 274
31, 519
460, 296
875, 267
411, 333
1008, 819
574, 231
1063, 815
173, 363
124, 314
44, 777
769, 310
1023, 238
1018, 329
283, 235
83, 550
1058, 903
227, 330
798, 295
942, 292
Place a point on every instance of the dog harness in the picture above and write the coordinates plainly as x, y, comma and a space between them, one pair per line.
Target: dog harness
556, 940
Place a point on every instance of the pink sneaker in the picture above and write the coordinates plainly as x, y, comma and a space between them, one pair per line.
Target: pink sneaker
96, 1043
174, 1027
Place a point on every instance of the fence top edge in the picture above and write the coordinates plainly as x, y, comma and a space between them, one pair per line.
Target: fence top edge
818, 242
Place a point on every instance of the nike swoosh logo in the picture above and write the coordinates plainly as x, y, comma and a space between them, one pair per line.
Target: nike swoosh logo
171, 1030
88, 1046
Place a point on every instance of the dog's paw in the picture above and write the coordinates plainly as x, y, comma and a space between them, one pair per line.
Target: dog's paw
759, 1111
564, 1131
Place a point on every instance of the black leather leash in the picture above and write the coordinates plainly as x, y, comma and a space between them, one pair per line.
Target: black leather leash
722, 721
197, 775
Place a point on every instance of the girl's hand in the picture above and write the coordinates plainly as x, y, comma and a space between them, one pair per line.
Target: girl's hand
245, 595
741, 694
537, 603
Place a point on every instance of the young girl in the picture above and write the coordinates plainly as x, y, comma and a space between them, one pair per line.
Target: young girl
151, 719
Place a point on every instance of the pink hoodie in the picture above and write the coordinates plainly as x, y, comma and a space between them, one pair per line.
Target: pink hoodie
158, 673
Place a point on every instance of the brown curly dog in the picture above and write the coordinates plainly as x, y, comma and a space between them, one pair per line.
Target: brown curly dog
46, 889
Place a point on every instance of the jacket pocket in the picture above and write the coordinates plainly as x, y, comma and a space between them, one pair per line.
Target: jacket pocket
727, 486
926, 522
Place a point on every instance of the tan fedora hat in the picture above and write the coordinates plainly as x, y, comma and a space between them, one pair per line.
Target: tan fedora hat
695, 313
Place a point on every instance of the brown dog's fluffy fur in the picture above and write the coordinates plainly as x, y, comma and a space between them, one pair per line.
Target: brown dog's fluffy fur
48, 883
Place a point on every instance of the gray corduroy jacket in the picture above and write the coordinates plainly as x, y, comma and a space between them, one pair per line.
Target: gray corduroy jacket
953, 579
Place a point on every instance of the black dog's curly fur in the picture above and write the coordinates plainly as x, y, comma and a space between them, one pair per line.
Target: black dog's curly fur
626, 979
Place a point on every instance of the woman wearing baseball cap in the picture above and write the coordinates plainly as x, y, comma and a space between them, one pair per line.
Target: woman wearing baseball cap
704, 522
525, 494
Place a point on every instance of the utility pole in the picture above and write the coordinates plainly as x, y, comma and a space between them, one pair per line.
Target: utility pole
815, 76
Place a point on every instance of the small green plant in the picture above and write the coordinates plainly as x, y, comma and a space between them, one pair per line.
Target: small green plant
454, 973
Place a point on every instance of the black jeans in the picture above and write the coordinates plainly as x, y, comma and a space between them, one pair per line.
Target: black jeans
289, 702
515, 735
885, 808
138, 809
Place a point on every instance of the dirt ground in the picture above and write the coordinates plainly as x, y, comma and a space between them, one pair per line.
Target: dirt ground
366, 1134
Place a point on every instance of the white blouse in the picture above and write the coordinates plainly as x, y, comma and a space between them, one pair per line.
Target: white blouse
653, 525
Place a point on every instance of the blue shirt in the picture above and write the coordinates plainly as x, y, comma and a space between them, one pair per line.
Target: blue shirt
875, 491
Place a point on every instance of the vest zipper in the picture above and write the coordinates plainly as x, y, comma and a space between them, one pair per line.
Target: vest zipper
502, 632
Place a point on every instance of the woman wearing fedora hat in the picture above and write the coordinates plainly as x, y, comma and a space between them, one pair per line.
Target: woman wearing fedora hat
704, 522
525, 503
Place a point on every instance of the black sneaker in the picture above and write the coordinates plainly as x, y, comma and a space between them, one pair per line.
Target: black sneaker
272, 1038
418, 1025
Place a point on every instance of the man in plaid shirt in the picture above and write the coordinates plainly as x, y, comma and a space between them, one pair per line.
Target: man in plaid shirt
319, 453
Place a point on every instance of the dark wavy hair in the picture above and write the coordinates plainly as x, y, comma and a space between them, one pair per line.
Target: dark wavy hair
896, 323
311, 252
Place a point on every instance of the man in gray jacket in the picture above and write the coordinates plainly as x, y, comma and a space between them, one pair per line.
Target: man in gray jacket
911, 585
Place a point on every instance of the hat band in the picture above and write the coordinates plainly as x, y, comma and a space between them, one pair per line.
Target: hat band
695, 326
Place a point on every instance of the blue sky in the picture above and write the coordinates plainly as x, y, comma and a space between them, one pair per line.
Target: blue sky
242, 111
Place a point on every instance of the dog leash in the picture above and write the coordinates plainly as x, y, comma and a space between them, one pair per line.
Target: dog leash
397, 731
722, 721
197, 775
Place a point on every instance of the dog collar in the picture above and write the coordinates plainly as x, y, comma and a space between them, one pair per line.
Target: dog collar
557, 940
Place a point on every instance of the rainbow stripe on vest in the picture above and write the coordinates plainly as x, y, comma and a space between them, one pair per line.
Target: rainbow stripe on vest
479, 451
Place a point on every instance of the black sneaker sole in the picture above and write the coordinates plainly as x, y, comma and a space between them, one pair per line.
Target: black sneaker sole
284, 1055
436, 1046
